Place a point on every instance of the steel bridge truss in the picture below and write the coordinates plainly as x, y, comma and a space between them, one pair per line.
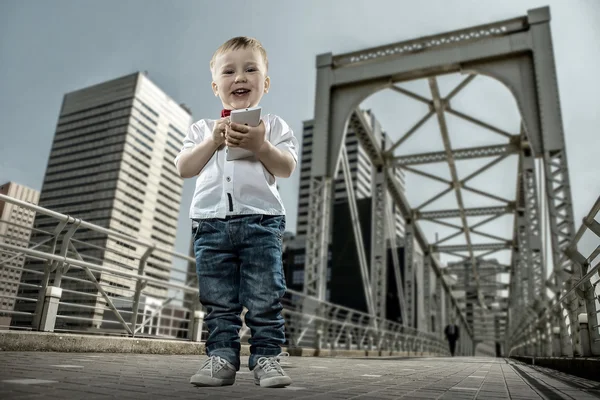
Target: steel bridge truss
518, 53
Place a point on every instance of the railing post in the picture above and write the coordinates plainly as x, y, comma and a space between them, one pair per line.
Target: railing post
197, 323
139, 286
547, 338
349, 341
532, 343
50, 309
48, 268
404, 344
584, 332
318, 339
594, 335
36, 324
556, 351
326, 335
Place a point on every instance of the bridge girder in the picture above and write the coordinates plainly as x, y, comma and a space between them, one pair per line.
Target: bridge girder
517, 53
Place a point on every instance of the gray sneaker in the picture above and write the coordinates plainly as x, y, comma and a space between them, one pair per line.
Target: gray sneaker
214, 372
268, 373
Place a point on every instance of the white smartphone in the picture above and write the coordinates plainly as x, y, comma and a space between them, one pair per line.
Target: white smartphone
245, 116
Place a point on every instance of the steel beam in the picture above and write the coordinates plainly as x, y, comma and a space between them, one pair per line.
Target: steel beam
433, 55
317, 237
371, 293
457, 154
469, 212
409, 274
474, 247
485, 287
393, 245
532, 213
438, 105
558, 188
427, 292
439, 306
321, 188
378, 241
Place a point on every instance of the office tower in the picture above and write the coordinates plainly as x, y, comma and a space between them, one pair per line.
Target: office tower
343, 274
361, 171
111, 164
15, 229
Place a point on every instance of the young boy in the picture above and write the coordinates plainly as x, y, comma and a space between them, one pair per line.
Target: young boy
239, 219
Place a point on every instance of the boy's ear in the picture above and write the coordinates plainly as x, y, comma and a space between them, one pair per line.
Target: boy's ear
215, 88
267, 84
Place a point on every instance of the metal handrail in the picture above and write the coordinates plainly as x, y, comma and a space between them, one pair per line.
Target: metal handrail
83, 224
590, 340
327, 322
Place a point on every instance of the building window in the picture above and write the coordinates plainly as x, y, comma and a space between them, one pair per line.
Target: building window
148, 108
298, 277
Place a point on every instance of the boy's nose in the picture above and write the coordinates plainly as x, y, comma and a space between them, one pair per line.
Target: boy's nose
240, 78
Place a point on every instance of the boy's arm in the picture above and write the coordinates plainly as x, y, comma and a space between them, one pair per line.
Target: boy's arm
191, 161
199, 146
278, 162
279, 154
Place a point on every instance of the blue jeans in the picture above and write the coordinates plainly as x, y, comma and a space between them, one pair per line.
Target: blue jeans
239, 264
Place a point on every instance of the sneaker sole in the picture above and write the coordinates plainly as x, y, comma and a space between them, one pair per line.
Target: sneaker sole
275, 382
207, 381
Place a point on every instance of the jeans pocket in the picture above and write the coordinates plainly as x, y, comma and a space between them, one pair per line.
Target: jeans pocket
196, 229
274, 224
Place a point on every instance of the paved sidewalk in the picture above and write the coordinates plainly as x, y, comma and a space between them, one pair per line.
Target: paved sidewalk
38, 375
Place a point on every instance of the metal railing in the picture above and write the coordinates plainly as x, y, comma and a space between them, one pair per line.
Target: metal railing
538, 334
83, 278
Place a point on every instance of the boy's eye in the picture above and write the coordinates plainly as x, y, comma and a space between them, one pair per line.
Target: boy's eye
251, 69
228, 72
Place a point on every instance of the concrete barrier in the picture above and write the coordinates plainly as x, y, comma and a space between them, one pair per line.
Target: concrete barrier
79, 343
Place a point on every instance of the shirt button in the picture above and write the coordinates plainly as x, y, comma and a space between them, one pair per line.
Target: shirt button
228, 179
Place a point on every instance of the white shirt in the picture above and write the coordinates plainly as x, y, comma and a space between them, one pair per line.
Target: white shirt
238, 187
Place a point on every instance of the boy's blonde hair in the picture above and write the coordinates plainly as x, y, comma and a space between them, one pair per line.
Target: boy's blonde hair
240, 42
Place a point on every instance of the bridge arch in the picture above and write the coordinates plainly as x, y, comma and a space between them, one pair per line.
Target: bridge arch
516, 52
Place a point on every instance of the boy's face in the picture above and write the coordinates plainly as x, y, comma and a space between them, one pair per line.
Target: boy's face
240, 78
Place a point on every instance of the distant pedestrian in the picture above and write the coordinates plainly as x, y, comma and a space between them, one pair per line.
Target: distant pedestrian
452, 333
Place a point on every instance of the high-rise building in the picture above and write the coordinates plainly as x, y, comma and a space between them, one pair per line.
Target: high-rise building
15, 229
343, 273
361, 170
111, 164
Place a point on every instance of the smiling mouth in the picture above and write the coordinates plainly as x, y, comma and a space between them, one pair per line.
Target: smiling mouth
241, 92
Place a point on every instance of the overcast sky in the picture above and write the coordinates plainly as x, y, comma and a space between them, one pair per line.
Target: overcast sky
48, 48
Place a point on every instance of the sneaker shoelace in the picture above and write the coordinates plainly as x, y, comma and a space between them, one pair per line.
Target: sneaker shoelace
214, 364
269, 364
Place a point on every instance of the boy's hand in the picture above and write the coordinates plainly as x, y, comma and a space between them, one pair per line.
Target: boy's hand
219, 131
247, 137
